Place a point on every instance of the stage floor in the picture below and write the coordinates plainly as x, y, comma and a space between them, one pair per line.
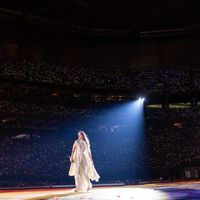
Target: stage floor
167, 191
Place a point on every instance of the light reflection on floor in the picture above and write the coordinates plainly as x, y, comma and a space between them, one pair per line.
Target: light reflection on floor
117, 193
160, 191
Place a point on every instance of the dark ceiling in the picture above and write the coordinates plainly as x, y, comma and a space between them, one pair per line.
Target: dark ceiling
31, 22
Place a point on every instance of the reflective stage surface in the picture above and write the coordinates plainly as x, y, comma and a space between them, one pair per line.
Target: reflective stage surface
162, 191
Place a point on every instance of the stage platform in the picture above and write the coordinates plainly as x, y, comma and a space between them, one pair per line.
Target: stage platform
159, 191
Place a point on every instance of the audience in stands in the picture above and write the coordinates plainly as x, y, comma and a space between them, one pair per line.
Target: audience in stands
36, 139
30, 150
154, 80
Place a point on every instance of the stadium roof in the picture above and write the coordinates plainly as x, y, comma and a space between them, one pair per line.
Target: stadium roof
52, 21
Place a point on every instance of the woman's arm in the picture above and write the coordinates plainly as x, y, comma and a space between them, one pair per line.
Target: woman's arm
73, 150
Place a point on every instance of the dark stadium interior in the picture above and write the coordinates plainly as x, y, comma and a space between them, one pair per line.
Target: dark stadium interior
70, 65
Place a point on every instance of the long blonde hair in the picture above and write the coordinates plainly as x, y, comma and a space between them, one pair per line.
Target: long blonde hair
86, 140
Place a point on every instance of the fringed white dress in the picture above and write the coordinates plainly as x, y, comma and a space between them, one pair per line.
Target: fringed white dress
82, 167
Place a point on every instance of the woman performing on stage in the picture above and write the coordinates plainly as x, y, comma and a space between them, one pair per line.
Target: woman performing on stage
82, 167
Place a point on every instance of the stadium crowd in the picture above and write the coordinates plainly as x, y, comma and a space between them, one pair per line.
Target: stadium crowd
172, 143
44, 157
154, 80
173, 138
36, 138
